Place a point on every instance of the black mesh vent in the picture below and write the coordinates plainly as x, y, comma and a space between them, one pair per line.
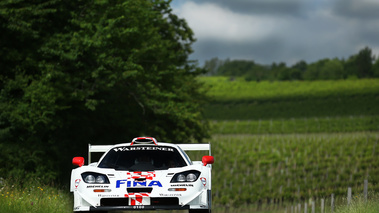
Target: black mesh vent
139, 190
154, 201
114, 202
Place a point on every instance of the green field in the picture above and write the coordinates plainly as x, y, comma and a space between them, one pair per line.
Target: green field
241, 100
291, 142
276, 145
271, 169
292, 167
297, 125
224, 89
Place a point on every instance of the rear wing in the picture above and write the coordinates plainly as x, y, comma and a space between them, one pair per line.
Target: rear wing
97, 148
184, 147
196, 147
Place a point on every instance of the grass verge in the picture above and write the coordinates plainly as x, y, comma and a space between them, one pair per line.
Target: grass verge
359, 204
32, 197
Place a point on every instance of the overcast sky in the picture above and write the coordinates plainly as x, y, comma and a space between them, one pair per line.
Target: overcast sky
268, 31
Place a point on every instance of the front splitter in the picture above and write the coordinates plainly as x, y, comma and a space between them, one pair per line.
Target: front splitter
138, 208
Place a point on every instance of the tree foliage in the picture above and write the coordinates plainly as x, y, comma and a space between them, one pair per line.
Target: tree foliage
101, 72
360, 65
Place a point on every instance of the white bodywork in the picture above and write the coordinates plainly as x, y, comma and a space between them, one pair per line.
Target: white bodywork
129, 190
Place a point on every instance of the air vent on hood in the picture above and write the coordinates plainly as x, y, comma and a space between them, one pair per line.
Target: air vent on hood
144, 140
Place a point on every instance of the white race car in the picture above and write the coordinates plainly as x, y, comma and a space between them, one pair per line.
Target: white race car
143, 175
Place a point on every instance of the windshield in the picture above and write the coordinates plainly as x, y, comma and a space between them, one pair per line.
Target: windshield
142, 158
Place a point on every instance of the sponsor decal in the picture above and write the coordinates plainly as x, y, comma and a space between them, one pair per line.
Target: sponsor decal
170, 195
97, 186
143, 148
77, 182
204, 181
138, 199
182, 185
107, 195
134, 183
135, 179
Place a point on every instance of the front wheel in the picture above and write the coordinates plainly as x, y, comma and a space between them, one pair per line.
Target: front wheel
199, 211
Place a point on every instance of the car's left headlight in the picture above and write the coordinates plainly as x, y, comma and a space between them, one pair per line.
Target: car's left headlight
95, 178
187, 176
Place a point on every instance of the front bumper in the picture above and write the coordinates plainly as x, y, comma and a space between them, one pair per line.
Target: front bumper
202, 201
144, 207
127, 192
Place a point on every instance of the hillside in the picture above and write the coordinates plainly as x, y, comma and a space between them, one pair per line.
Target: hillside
292, 142
242, 100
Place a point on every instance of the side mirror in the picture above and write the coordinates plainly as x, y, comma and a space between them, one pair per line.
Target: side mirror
208, 160
78, 161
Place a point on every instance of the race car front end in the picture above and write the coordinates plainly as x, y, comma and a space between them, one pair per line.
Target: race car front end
143, 176
105, 190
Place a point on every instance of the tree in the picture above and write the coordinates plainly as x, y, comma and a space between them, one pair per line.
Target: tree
331, 70
298, 70
212, 66
363, 62
285, 73
313, 70
375, 69
94, 71
301, 66
350, 67
236, 67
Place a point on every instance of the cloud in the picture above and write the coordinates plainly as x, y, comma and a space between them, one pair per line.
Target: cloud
212, 21
361, 10
288, 31
361, 19
265, 7
261, 52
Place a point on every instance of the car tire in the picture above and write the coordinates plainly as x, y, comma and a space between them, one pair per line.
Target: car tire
199, 211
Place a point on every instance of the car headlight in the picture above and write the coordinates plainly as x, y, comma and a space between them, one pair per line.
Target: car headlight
90, 179
191, 177
95, 178
180, 178
100, 179
187, 176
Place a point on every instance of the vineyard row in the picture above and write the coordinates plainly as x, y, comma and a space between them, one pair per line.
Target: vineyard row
292, 167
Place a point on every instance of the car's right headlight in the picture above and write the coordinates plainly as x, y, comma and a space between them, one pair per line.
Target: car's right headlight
187, 176
95, 178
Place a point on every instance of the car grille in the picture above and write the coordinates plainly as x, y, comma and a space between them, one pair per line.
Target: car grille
157, 201
114, 202
139, 190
